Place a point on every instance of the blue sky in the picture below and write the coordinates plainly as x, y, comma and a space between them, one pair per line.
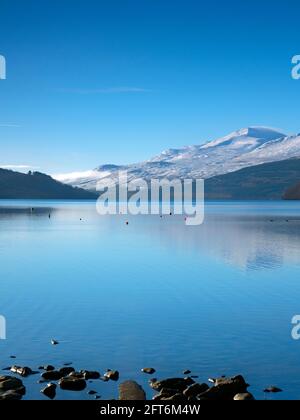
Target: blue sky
92, 82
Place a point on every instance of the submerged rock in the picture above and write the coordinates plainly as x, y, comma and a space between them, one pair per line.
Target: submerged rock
92, 392
246, 396
131, 391
49, 391
72, 384
148, 370
187, 372
273, 389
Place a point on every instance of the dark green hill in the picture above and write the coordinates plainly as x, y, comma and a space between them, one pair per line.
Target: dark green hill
268, 181
36, 185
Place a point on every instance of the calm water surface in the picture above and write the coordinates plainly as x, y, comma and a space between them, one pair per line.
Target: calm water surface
216, 298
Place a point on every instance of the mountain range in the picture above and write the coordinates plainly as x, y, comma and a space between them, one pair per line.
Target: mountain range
241, 149
251, 163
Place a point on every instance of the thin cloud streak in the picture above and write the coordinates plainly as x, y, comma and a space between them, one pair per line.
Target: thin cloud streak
18, 167
7, 125
120, 89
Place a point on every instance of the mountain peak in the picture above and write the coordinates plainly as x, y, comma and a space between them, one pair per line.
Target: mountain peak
251, 136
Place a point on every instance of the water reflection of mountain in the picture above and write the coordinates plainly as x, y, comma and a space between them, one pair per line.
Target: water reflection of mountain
248, 242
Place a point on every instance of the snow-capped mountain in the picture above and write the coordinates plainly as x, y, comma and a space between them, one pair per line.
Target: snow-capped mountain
246, 147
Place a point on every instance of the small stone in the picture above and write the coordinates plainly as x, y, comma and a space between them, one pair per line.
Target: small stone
273, 389
49, 391
244, 397
113, 375
22, 371
13, 357
148, 370
72, 384
97, 397
187, 372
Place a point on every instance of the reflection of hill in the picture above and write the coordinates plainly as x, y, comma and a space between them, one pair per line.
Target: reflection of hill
246, 242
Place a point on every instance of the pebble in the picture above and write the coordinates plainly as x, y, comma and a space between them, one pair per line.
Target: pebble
273, 389
148, 370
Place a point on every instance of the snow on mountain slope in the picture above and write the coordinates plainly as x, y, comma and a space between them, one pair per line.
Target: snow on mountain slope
240, 149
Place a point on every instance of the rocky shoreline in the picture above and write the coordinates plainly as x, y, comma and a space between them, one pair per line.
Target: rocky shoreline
177, 389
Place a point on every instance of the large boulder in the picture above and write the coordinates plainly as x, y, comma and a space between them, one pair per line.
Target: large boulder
225, 388
130, 390
11, 388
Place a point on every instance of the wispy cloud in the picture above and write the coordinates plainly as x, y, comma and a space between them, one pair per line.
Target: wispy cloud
6, 166
8, 125
119, 89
